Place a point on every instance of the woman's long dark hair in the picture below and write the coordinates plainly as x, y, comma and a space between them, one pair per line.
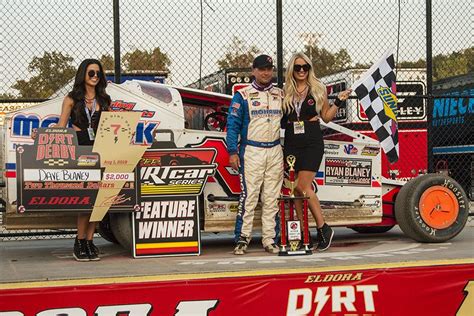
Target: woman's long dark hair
79, 90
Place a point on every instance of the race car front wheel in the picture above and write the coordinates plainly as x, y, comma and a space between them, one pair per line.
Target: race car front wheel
121, 224
432, 208
105, 230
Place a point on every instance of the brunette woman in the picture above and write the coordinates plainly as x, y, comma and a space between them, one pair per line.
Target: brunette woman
82, 108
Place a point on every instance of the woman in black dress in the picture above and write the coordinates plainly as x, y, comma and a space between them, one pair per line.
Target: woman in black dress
83, 106
304, 105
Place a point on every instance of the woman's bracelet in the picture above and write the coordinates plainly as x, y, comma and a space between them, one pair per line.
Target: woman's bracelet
338, 102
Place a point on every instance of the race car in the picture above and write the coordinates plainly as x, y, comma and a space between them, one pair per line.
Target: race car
351, 187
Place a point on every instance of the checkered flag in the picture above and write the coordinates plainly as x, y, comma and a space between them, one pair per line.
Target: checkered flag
376, 91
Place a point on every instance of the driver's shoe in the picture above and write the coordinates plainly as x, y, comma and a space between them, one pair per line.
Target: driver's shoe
241, 246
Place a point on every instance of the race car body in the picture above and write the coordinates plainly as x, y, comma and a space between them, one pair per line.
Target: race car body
350, 184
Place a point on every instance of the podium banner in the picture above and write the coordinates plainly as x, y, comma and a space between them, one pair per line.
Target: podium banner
426, 290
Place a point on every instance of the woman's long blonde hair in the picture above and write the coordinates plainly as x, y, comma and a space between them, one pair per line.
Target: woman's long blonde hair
316, 87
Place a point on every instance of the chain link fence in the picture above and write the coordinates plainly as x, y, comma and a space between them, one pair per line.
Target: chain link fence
190, 40
200, 44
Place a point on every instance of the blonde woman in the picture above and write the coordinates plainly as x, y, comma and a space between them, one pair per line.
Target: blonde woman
305, 103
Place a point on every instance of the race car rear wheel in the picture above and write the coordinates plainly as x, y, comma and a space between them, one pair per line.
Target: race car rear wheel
432, 208
121, 224
371, 229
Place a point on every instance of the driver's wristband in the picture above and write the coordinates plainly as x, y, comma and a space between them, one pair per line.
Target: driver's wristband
338, 102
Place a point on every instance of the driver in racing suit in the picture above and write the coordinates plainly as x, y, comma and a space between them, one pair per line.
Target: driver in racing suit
254, 115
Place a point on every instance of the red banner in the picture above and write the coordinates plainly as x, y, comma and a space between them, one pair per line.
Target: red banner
436, 290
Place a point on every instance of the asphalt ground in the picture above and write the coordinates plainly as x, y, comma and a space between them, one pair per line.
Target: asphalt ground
51, 260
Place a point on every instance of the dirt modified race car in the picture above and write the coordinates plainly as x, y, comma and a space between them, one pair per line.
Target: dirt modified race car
352, 190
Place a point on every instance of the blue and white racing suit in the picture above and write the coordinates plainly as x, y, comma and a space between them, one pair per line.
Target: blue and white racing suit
255, 115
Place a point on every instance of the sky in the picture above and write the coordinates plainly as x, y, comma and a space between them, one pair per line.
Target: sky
84, 28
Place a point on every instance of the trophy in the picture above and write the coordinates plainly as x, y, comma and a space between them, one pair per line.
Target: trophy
291, 228
290, 160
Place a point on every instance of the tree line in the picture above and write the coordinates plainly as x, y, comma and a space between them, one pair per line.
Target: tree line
53, 70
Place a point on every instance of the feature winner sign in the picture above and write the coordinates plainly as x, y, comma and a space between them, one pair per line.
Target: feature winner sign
171, 181
55, 174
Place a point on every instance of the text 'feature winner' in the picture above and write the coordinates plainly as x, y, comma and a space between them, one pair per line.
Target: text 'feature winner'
168, 220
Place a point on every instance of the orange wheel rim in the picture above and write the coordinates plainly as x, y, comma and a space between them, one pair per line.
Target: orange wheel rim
439, 207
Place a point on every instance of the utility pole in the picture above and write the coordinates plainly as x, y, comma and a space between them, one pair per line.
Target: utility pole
117, 69
279, 31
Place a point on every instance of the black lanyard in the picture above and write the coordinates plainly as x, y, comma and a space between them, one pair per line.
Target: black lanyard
89, 114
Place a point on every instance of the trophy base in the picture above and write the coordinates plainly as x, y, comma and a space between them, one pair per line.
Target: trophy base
300, 252
293, 250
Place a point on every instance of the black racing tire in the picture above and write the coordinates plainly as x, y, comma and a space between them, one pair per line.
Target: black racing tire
402, 196
121, 224
105, 230
371, 229
445, 220
3, 206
